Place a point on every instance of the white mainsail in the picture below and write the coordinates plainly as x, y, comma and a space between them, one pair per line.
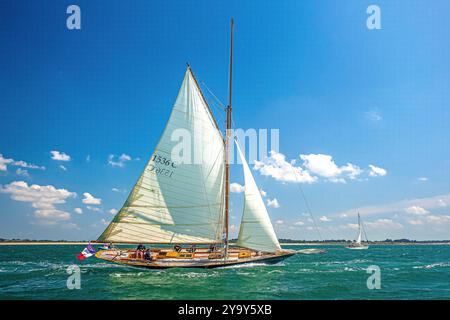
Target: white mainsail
359, 230
175, 202
359, 237
256, 230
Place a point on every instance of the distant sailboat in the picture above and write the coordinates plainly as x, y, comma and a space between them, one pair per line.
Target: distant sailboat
188, 204
358, 245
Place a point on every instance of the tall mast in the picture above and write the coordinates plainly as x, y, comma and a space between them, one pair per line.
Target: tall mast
359, 222
227, 139
359, 229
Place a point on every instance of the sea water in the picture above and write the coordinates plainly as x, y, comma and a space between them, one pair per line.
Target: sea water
406, 272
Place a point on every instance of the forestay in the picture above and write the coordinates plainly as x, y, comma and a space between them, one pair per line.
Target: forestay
173, 201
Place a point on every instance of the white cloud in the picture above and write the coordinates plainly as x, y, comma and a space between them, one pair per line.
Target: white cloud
90, 199
59, 156
425, 203
353, 226
95, 209
324, 219
320, 164
88, 158
313, 167
236, 188
422, 179
279, 221
22, 172
442, 203
343, 215
52, 214
70, 226
376, 171
373, 115
124, 157
273, 203
20, 163
104, 222
4, 162
24, 164
438, 219
415, 222
277, 167
120, 162
42, 198
352, 171
263, 193
324, 166
384, 223
78, 210
299, 223
416, 210
113, 211
62, 167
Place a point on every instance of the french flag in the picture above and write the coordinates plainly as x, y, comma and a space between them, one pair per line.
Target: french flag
86, 253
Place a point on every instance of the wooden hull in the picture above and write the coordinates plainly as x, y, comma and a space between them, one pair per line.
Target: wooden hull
199, 260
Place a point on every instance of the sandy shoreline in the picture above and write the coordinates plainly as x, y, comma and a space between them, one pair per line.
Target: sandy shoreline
39, 243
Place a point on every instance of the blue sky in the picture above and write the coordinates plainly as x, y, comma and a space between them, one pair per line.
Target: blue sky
311, 69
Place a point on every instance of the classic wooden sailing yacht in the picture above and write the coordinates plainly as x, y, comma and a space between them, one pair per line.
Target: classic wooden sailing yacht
358, 245
179, 203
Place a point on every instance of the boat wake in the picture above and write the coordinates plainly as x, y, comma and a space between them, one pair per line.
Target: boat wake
253, 264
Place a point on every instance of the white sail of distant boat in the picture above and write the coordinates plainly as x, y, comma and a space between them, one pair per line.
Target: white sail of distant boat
359, 235
358, 243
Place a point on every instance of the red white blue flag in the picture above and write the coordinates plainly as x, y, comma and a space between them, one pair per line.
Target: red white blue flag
86, 253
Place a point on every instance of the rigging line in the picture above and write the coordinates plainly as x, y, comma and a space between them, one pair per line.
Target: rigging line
214, 96
364, 229
307, 205
218, 104
304, 199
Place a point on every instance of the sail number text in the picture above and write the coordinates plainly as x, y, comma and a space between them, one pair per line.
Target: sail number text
167, 162
159, 160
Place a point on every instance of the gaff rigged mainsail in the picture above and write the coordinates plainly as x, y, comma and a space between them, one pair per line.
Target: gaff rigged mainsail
256, 231
176, 202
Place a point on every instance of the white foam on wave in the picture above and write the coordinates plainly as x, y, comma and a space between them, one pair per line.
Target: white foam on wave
353, 269
433, 265
127, 274
103, 265
253, 264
